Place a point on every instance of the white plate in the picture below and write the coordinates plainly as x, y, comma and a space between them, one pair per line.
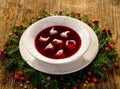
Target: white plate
75, 24
61, 69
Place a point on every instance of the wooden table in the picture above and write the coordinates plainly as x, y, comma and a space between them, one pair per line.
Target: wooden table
106, 11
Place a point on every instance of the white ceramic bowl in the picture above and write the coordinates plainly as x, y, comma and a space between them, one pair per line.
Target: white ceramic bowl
77, 25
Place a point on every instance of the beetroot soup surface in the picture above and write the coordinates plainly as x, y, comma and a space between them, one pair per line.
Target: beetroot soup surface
57, 42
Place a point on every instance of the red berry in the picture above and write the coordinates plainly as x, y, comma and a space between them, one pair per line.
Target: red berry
22, 78
104, 29
60, 12
95, 80
89, 73
116, 65
35, 88
20, 73
109, 31
19, 25
74, 88
107, 48
88, 79
1, 51
78, 14
111, 46
7, 42
16, 77
95, 21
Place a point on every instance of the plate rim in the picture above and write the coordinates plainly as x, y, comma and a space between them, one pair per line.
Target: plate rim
35, 63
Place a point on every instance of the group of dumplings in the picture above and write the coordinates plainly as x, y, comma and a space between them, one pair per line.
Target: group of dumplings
69, 44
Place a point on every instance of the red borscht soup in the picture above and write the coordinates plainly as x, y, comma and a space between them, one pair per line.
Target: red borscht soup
57, 42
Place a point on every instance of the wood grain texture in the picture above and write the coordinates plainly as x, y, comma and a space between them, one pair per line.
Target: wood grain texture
106, 11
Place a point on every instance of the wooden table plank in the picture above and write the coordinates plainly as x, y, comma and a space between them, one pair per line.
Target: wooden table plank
106, 11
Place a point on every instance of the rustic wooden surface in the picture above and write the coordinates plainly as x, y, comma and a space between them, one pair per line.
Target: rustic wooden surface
106, 11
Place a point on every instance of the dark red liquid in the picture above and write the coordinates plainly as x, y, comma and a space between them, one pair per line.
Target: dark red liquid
40, 46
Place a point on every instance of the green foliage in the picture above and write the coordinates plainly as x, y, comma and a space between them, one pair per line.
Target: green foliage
74, 15
85, 18
43, 13
102, 60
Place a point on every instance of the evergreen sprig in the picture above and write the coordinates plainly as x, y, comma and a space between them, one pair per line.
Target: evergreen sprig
102, 61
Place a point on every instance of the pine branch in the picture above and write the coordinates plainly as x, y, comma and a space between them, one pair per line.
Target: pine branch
13, 50
43, 13
9, 64
85, 18
74, 15
21, 64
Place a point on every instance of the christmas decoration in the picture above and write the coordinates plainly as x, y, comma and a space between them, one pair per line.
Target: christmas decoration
22, 78
95, 80
89, 73
16, 77
35, 88
7, 43
116, 65
20, 73
94, 72
74, 88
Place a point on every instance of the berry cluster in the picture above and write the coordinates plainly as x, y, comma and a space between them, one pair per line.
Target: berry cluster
2, 51
19, 76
